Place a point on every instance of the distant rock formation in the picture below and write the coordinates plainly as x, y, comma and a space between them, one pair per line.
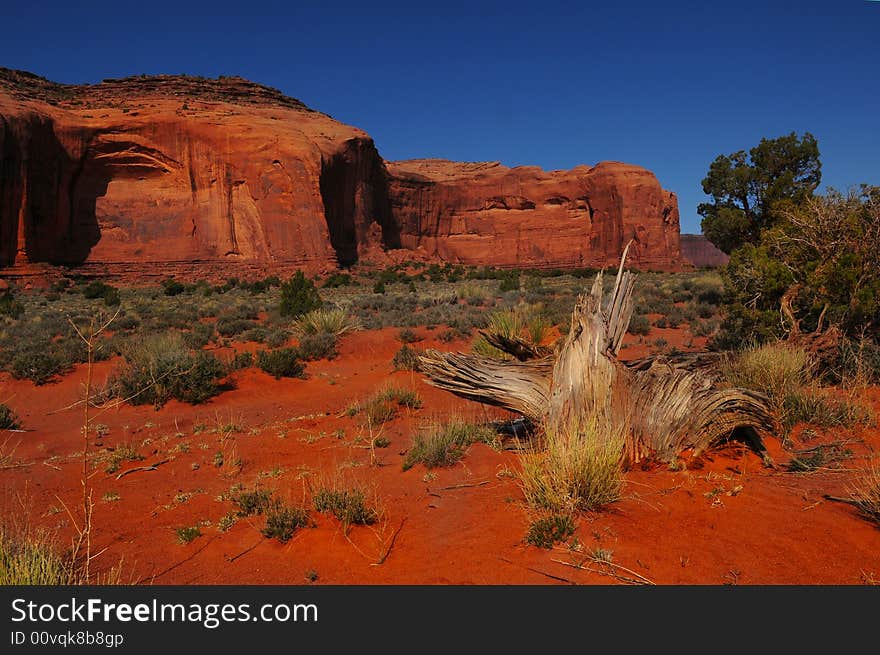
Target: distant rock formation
195, 171
701, 252
486, 213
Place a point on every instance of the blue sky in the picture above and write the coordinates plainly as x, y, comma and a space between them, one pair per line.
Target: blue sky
665, 85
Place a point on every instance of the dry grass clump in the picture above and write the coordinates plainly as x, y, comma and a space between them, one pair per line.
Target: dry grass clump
775, 369
444, 445
786, 375
579, 469
865, 494
30, 558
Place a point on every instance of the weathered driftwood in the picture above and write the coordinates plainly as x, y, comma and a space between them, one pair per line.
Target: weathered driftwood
663, 406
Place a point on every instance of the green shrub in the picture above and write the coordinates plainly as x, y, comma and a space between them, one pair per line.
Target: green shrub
199, 336
406, 359
820, 409
160, 367
39, 365
172, 287
775, 369
337, 280
317, 346
402, 396
445, 445
187, 534
547, 531
282, 521
229, 327
96, 289
299, 296
639, 325
8, 419
510, 282
408, 335
249, 503
281, 363
241, 361
348, 505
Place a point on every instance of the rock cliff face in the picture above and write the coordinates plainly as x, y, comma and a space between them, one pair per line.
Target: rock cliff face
702, 253
487, 213
179, 169
153, 170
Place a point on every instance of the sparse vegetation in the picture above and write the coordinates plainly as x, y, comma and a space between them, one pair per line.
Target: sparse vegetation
446, 444
8, 419
125, 452
865, 494
186, 534
348, 505
549, 530
281, 363
578, 469
250, 503
160, 367
406, 359
282, 521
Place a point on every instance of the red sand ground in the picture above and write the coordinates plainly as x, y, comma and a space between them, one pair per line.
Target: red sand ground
724, 520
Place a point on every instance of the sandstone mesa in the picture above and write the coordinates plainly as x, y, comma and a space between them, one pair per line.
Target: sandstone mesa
217, 172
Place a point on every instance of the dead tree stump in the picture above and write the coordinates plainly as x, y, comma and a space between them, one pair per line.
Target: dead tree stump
661, 408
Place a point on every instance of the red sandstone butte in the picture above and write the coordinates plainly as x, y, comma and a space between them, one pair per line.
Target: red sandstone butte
486, 213
206, 172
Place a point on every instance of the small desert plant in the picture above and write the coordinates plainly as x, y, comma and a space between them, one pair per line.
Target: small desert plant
282, 521
8, 419
281, 363
406, 359
821, 457
408, 335
549, 530
326, 320
186, 534
402, 396
537, 327
505, 324
446, 444
240, 361
810, 405
125, 452
865, 494
249, 503
38, 365
378, 411
579, 469
639, 325
29, 558
349, 505
321, 345
160, 367
382, 406
775, 369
